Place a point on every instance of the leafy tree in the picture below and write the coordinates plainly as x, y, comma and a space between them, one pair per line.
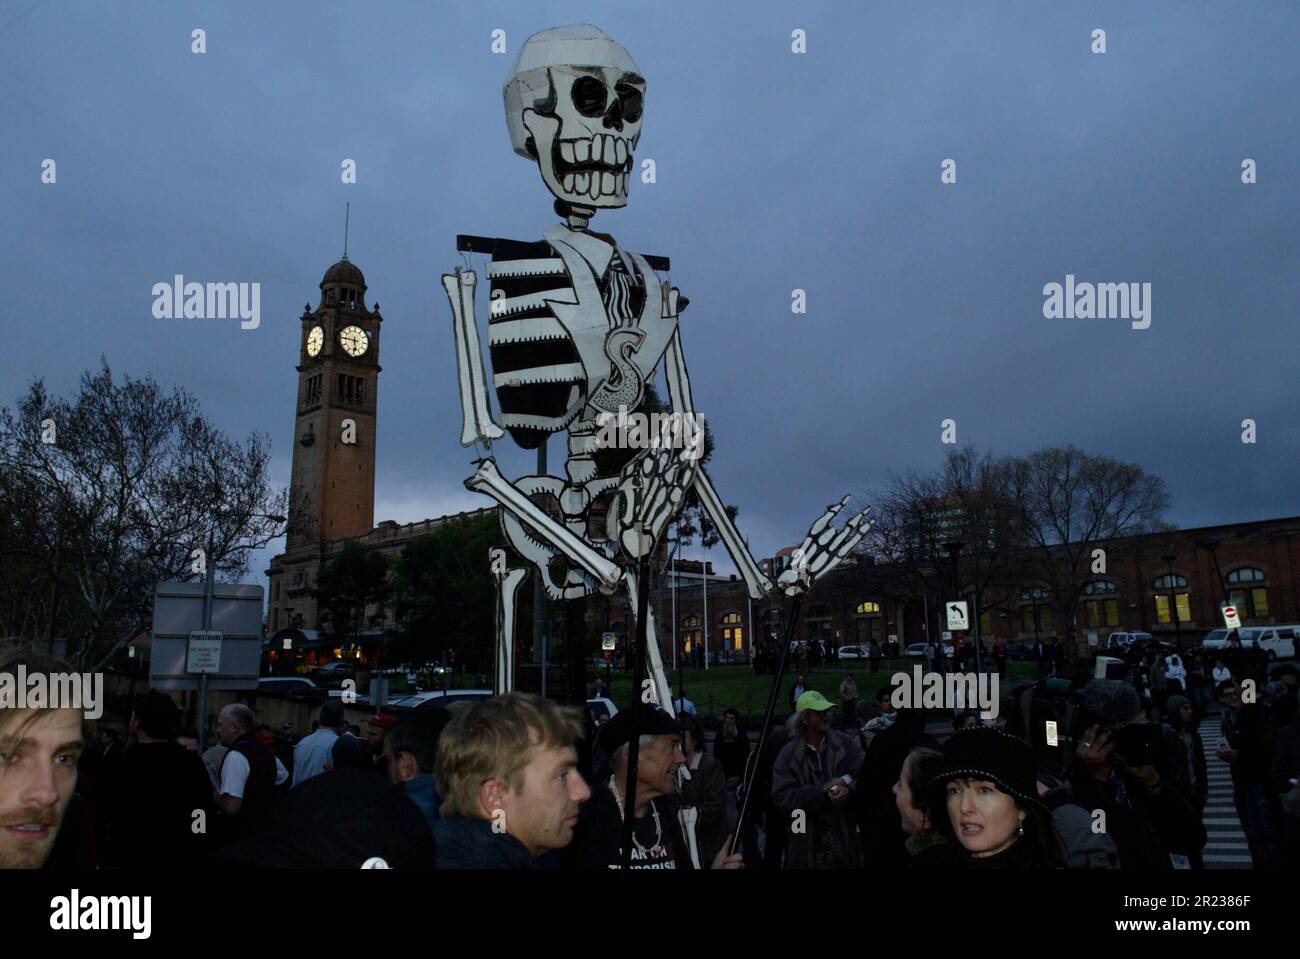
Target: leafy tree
444, 597
347, 585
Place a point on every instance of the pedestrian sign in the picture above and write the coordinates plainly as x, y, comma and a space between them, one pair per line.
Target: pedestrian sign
1230, 617
958, 618
204, 652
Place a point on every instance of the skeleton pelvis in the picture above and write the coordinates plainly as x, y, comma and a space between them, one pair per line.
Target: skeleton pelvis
575, 501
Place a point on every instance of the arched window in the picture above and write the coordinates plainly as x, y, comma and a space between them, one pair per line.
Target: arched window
691, 634
819, 623
1100, 587
1175, 583
733, 634
866, 608
1251, 594
1103, 609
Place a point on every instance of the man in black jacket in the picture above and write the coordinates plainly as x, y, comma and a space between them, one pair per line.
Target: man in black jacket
1118, 773
658, 840
509, 776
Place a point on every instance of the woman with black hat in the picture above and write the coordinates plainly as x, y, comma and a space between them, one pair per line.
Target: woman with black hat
988, 787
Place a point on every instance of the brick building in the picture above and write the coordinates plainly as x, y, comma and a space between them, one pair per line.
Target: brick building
1141, 590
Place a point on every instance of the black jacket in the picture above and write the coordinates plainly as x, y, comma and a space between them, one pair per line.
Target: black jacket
1145, 827
465, 843
598, 837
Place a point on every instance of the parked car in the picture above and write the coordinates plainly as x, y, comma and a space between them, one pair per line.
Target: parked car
1125, 640
1216, 639
1020, 651
286, 684
852, 652
1276, 641
439, 698
916, 649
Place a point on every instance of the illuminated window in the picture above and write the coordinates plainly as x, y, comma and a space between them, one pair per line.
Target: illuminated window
1251, 603
865, 608
1184, 607
733, 634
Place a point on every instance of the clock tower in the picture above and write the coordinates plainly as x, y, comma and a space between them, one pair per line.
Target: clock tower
332, 488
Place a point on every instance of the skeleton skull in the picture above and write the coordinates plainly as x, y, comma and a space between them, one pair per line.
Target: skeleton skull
574, 105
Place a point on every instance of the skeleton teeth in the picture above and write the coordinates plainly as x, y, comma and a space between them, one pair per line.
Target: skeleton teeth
623, 185
582, 150
607, 183
566, 150
620, 152
608, 158
568, 183
595, 186
581, 185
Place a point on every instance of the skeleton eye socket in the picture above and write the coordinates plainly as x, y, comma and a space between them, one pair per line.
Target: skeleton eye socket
590, 96
632, 103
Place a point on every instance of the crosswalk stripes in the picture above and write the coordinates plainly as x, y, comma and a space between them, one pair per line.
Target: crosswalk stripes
1227, 847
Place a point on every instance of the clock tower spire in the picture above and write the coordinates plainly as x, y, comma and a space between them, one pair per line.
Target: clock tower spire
332, 489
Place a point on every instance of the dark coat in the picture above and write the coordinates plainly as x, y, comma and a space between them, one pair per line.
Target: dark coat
598, 837
829, 838
707, 791
1145, 827
465, 843
1176, 768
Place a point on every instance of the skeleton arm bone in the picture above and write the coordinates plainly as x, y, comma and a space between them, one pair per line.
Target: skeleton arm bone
477, 425
679, 390
488, 479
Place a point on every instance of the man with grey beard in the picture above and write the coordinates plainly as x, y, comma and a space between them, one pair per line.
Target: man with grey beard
39, 750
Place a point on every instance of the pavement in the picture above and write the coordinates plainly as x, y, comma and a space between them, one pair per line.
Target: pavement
1227, 847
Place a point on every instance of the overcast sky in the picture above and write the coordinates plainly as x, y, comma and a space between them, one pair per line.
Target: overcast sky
775, 171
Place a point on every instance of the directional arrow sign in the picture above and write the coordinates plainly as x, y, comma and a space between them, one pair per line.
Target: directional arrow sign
958, 619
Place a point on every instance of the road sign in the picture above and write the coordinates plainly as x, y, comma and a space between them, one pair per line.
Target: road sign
608, 641
204, 652
236, 618
958, 618
945, 635
1230, 617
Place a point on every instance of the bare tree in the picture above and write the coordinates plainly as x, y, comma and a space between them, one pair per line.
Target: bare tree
119, 488
1070, 504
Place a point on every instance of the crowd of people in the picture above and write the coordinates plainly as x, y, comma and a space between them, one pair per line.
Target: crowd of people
519, 781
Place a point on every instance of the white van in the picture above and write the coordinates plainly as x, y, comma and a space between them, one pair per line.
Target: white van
1277, 641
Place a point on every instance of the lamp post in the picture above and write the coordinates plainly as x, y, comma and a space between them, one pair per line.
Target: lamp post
1211, 546
954, 548
1173, 604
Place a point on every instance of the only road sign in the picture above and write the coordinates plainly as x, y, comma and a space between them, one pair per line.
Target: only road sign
958, 618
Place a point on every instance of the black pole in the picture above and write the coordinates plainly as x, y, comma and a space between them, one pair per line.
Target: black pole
772, 698
638, 667
576, 629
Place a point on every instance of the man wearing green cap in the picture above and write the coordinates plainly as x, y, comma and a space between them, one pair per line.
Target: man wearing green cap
814, 776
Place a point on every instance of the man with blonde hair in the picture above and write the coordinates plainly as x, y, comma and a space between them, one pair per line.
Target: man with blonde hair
39, 749
508, 773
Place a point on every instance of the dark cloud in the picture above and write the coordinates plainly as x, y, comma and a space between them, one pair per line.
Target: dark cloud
775, 172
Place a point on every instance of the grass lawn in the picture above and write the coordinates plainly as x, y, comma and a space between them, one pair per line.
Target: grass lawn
715, 689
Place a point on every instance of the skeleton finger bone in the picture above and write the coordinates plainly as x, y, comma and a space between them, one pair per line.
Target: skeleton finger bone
477, 425
488, 479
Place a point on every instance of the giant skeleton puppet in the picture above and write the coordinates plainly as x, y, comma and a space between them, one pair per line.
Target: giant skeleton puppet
578, 325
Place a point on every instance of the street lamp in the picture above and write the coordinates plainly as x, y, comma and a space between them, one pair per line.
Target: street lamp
1173, 603
1211, 546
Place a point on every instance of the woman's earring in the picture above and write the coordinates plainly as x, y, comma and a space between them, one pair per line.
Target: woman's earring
1020, 830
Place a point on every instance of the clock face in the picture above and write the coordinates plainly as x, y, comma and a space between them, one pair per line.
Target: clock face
354, 340
315, 339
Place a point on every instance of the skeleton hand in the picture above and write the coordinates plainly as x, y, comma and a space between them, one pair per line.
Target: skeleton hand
823, 549
649, 494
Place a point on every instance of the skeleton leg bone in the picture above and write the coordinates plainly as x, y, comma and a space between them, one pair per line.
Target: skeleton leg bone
654, 661
508, 581
477, 425
488, 479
